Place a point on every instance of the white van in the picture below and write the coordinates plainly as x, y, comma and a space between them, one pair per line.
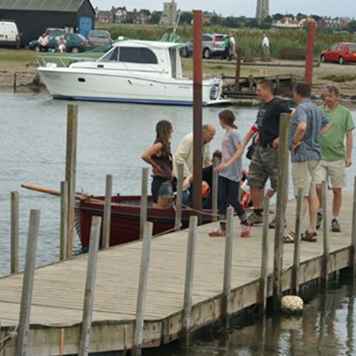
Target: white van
9, 34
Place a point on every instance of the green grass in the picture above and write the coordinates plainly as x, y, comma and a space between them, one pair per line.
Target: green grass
18, 56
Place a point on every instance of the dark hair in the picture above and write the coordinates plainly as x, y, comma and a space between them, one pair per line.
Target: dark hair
228, 118
217, 154
332, 89
303, 90
266, 84
163, 130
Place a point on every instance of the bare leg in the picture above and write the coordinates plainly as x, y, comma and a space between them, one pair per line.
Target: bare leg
337, 201
257, 197
313, 203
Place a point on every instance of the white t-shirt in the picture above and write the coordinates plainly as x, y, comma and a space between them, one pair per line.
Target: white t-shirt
265, 41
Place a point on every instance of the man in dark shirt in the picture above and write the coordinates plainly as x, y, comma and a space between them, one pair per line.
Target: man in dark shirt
264, 163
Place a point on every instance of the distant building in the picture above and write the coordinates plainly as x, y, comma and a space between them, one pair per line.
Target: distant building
120, 15
34, 17
262, 10
104, 16
169, 16
289, 23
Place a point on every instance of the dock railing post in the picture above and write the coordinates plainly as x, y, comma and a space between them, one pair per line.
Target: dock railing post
15, 227
189, 277
264, 258
142, 290
63, 222
107, 212
144, 201
90, 286
229, 244
71, 163
22, 342
296, 255
179, 203
282, 197
353, 238
214, 193
326, 250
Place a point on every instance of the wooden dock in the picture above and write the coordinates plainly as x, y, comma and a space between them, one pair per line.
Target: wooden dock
59, 288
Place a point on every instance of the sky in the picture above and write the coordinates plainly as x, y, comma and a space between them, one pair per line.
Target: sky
331, 8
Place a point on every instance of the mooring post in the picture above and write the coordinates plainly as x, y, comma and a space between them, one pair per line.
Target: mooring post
179, 203
15, 83
229, 243
326, 250
296, 256
309, 61
214, 192
282, 198
15, 228
264, 258
63, 222
142, 290
90, 286
71, 162
353, 238
189, 276
144, 201
107, 212
22, 342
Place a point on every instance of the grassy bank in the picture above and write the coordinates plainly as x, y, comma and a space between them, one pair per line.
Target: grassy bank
249, 39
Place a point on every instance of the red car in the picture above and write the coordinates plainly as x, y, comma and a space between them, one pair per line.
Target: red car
341, 53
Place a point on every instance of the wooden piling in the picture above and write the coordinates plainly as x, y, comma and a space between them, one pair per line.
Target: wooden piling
189, 276
107, 212
264, 258
215, 193
15, 229
282, 197
144, 201
63, 222
353, 234
296, 256
326, 249
71, 163
229, 243
180, 178
22, 342
90, 286
15, 83
142, 290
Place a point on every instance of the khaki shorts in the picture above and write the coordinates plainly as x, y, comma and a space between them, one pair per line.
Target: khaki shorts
305, 177
335, 171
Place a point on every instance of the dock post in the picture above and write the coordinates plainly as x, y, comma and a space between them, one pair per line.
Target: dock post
15, 226
63, 222
309, 59
144, 201
107, 212
90, 286
282, 197
179, 203
189, 277
296, 255
214, 193
15, 83
229, 242
326, 250
71, 163
264, 258
22, 343
353, 242
142, 290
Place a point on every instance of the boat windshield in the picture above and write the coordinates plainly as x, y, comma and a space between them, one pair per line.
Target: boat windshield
111, 56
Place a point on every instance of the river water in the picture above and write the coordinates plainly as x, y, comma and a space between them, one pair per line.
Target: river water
110, 141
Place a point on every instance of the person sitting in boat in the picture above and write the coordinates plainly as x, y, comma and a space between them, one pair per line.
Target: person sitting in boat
159, 156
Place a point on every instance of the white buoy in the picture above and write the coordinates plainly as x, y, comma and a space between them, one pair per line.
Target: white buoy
292, 304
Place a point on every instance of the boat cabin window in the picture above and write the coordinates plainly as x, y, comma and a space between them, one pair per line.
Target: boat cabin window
137, 55
173, 56
110, 56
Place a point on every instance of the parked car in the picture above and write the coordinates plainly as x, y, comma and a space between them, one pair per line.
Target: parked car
187, 49
341, 53
75, 42
9, 34
99, 38
213, 45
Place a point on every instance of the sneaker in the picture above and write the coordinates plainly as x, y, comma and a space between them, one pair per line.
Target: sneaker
254, 219
335, 226
319, 219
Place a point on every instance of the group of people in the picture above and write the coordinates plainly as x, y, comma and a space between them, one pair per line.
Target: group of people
317, 147
43, 42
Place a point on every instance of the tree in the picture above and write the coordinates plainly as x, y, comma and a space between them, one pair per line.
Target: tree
155, 17
186, 17
351, 26
277, 17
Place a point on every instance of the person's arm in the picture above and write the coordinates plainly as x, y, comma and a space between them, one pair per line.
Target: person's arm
151, 151
299, 135
237, 155
252, 132
349, 143
182, 154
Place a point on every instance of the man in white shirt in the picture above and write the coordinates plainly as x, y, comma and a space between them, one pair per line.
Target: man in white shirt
265, 46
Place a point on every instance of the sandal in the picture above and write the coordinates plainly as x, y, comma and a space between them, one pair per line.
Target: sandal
309, 236
217, 233
289, 238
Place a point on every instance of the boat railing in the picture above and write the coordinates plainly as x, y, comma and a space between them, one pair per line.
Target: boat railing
59, 61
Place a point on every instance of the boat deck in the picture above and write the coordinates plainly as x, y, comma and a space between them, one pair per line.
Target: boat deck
59, 288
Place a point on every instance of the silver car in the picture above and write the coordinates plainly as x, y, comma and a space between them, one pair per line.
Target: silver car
99, 38
213, 45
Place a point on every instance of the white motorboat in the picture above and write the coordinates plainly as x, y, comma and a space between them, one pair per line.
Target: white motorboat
132, 71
